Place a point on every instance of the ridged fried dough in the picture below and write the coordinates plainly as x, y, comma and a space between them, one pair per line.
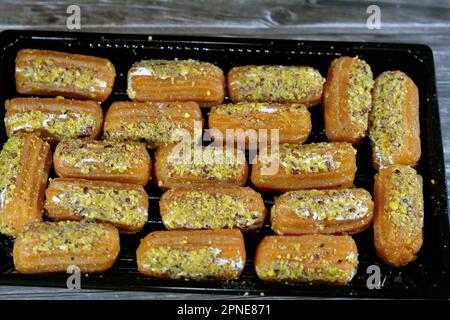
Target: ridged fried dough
51, 247
309, 258
328, 211
194, 255
309, 166
53, 73
347, 100
54, 119
399, 213
213, 208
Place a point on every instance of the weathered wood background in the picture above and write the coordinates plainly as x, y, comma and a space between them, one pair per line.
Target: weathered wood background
413, 21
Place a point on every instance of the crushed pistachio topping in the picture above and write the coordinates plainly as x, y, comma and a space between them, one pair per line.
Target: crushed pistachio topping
65, 236
359, 99
405, 206
201, 210
170, 69
113, 205
209, 163
87, 155
386, 119
154, 133
65, 124
278, 83
321, 205
308, 158
252, 107
308, 267
201, 263
9, 168
48, 71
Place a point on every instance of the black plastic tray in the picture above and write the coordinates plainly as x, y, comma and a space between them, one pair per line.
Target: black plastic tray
427, 277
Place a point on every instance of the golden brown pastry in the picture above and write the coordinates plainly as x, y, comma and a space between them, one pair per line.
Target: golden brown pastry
51, 247
53, 73
54, 119
184, 167
194, 255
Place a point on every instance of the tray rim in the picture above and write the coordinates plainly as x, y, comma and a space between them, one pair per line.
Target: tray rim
9, 37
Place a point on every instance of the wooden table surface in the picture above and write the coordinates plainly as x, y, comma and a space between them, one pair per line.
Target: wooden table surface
407, 21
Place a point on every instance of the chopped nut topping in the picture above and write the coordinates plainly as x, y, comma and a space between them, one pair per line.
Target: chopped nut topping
308, 267
277, 83
158, 132
319, 205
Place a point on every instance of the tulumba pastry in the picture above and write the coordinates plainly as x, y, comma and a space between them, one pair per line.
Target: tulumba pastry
192, 255
52, 247
327, 211
196, 166
347, 99
275, 83
399, 213
123, 205
315, 258
292, 121
176, 80
309, 166
155, 123
394, 127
